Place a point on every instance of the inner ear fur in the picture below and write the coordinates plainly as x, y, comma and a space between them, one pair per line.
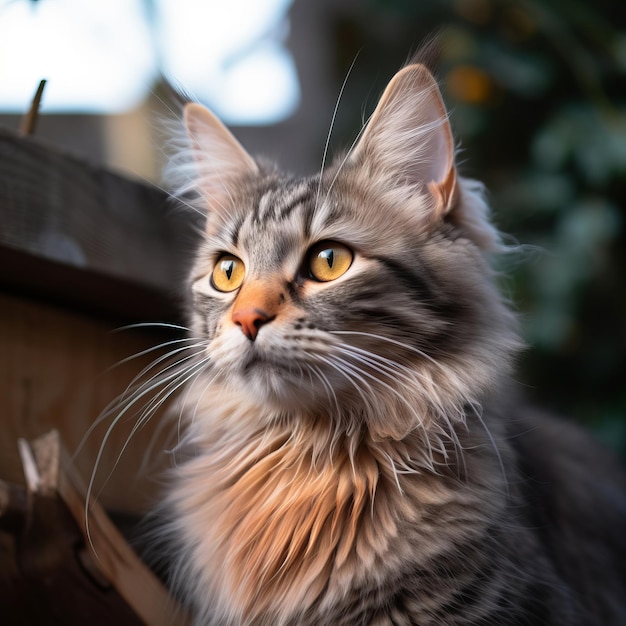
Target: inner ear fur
409, 137
218, 156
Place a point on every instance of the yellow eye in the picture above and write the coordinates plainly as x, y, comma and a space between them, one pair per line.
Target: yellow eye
228, 273
329, 260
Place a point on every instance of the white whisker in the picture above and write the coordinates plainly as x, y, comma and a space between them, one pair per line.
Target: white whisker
330, 392
151, 325
329, 361
409, 379
330, 130
141, 391
116, 403
154, 348
477, 411
159, 361
357, 371
401, 344
344, 161
383, 365
208, 384
153, 406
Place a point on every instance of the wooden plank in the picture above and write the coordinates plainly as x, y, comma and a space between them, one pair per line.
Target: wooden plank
56, 371
98, 295
60, 208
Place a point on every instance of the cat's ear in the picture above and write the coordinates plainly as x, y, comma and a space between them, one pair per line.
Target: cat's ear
408, 138
219, 157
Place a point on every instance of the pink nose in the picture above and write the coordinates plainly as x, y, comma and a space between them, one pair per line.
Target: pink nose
250, 321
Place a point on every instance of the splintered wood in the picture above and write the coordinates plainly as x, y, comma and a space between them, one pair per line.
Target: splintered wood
71, 566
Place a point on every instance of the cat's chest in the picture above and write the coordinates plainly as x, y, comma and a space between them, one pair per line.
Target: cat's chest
276, 529
269, 527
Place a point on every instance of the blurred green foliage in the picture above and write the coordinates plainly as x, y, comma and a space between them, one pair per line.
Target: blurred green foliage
537, 92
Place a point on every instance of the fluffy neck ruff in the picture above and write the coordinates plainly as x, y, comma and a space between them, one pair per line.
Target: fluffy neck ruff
285, 521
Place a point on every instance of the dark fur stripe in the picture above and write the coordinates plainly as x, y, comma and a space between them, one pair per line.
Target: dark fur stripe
412, 281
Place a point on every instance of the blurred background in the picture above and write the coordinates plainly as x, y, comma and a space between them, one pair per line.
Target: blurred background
536, 88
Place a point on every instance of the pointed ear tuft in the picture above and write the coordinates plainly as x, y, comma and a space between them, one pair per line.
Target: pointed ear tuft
219, 157
408, 138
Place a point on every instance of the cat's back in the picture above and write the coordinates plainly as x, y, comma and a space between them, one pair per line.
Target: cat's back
574, 491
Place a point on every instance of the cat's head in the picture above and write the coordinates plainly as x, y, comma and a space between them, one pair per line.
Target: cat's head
361, 293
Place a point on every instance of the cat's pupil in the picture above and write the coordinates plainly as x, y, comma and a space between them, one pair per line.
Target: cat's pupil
329, 255
228, 267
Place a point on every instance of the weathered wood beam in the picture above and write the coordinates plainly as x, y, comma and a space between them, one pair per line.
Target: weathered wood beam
83, 218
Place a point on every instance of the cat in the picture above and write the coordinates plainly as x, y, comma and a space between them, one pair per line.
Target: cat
353, 450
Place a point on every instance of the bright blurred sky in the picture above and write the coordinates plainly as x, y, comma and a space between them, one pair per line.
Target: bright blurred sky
104, 57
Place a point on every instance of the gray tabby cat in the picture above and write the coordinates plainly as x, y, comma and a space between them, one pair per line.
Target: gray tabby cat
352, 451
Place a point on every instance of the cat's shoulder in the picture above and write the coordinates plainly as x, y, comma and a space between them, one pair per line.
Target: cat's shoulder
574, 485
574, 498
554, 447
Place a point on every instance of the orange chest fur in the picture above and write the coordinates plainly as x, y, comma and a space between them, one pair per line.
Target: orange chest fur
282, 528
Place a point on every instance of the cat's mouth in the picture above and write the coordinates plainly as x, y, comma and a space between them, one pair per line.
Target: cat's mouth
253, 363
278, 370
273, 378
257, 363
